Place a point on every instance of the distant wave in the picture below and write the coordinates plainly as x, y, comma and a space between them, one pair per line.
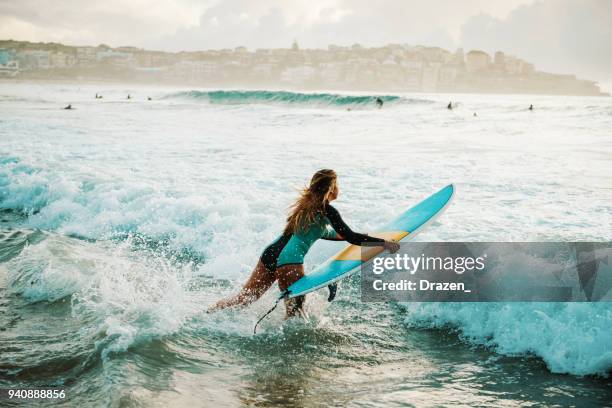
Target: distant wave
290, 98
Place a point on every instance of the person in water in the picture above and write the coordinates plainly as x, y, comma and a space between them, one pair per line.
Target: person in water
312, 217
68, 107
379, 102
531, 107
450, 106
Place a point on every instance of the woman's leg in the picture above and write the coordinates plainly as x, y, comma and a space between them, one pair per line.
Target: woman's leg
287, 275
258, 283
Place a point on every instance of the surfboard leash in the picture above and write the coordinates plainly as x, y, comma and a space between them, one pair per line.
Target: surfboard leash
283, 295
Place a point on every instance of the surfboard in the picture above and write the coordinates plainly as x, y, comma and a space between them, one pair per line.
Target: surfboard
404, 227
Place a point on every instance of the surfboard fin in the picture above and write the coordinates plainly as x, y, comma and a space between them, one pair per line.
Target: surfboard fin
333, 288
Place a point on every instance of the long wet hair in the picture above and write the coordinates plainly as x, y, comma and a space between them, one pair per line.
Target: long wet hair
312, 201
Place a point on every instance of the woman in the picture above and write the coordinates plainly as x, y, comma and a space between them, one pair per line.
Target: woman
312, 217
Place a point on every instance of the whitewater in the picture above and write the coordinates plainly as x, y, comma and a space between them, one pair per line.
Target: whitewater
122, 220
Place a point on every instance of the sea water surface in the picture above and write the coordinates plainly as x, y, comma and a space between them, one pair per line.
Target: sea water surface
122, 220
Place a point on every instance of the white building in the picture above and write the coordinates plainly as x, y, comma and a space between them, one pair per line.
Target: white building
9, 69
298, 74
477, 60
34, 59
61, 60
86, 56
429, 82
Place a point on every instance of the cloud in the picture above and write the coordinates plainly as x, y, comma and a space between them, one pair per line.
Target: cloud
270, 23
115, 22
564, 36
198, 24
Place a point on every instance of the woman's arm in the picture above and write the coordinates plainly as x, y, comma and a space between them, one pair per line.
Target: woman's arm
331, 235
344, 232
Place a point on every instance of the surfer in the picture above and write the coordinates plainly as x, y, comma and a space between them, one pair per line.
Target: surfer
68, 107
450, 106
379, 102
312, 217
129, 96
531, 107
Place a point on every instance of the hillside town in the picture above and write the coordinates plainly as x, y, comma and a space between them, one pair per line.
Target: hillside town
394, 67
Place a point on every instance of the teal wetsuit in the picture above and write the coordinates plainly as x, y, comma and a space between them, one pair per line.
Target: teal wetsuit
291, 248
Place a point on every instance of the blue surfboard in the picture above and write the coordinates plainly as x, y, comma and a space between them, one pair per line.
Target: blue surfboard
404, 227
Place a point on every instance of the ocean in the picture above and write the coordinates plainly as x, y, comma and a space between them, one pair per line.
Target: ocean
123, 220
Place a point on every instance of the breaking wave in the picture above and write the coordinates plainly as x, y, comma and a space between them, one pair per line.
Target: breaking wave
290, 98
571, 338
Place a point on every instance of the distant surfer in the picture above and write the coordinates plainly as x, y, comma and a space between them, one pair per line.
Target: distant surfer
475, 114
68, 107
98, 96
312, 217
531, 107
450, 106
379, 102
149, 98
129, 96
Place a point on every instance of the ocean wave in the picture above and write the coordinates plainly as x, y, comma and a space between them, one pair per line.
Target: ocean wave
290, 98
572, 338
127, 296
188, 228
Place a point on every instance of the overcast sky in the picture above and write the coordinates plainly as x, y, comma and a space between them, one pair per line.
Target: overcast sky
565, 36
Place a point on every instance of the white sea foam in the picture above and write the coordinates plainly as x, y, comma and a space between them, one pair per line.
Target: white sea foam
124, 295
570, 337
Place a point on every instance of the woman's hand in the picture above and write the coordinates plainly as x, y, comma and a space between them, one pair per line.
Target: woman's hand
391, 246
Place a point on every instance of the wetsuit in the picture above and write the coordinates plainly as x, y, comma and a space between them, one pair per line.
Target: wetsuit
290, 248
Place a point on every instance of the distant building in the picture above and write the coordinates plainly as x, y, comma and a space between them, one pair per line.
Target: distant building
516, 66
459, 57
331, 72
393, 67
62, 60
34, 59
298, 75
447, 76
431, 74
9, 66
86, 56
113, 56
6, 56
264, 71
194, 70
500, 58
477, 60
527, 68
